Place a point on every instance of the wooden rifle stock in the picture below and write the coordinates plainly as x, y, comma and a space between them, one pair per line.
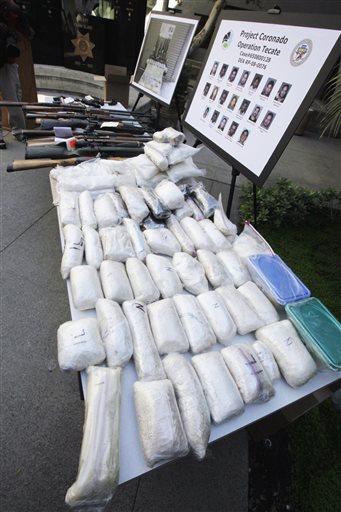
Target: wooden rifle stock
26, 165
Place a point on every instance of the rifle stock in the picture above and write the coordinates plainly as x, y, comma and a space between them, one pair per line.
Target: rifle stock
26, 165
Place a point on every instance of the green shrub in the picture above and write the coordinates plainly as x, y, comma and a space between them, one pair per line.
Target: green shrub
286, 203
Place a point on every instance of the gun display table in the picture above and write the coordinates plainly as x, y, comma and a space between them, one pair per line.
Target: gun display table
132, 463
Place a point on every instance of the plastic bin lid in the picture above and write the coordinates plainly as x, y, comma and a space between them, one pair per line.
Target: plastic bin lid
281, 280
320, 325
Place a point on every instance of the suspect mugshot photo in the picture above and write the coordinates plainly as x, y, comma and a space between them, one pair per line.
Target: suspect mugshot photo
243, 136
282, 92
256, 81
233, 102
270, 84
232, 129
223, 70
214, 68
233, 74
243, 78
222, 123
206, 112
214, 93
255, 113
243, 107
215, 116
267, 121
206, 88
223, 97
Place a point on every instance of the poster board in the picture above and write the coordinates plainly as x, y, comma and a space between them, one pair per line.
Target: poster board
163, 52
261, 74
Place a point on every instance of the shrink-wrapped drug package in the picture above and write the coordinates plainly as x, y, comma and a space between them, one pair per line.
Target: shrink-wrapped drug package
161, 431
116, 243
98, 469
147, 361
191, 273
192, 403
115, 282
115, 332
73, 249
296, 364
170, 135
234, 266
195, 232
221, 392
93, 247
214, 270
267, 359
169, 194
68, 208
245, 318
199, 332
259, 302
162, 241
218, 316
85, 287
137, 208
223, 223
185, 242
79, 344
252, 380
105, 211
137, 239
167, 329
86, 210
144, 288
218, 241
164, 275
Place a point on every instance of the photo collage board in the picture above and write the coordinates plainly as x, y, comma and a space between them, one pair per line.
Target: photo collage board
252, 84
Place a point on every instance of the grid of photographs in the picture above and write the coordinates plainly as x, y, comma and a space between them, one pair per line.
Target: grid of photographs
237, 101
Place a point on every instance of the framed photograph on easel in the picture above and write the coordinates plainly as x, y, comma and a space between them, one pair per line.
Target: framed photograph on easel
162, 56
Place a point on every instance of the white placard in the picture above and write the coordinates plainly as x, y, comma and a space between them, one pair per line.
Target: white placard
162, 56
253, 83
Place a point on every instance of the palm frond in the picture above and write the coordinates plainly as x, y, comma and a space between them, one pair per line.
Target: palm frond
331, 120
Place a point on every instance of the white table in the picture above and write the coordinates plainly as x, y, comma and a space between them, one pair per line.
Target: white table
132, 463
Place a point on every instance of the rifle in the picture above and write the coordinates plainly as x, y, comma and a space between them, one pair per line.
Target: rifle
61, 106
49, 124
28, 134
80, 115
60, 152
105, 139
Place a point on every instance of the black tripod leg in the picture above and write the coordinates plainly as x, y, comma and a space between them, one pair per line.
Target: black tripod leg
235, 173
80, 386
255, 212
137, 100
178, 112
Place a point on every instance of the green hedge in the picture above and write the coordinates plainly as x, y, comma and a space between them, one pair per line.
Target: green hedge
287, 203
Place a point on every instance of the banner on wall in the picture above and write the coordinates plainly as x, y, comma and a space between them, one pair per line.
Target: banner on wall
260, 76
162, 56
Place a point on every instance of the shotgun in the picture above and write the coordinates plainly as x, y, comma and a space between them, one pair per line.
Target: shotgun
60, 152
49, 124
30, 134
61, 106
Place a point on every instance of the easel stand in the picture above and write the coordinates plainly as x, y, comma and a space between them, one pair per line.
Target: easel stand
158, 110
235, 174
